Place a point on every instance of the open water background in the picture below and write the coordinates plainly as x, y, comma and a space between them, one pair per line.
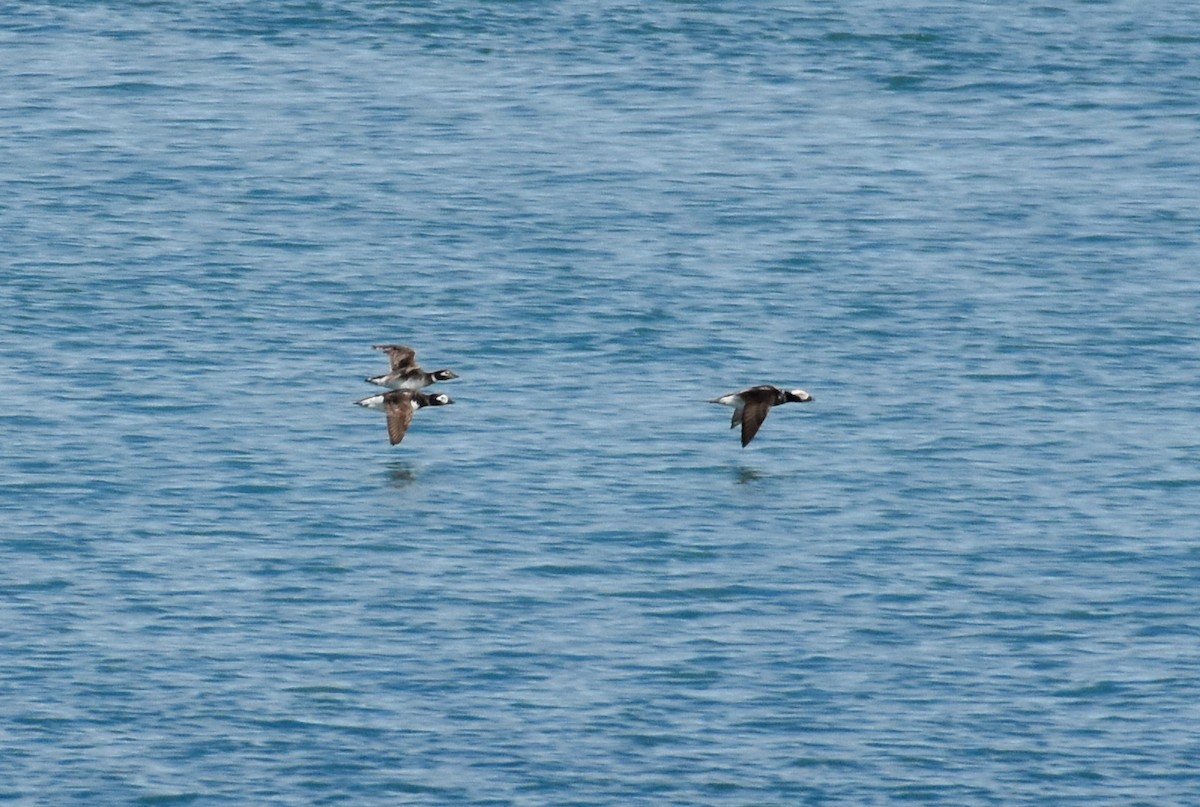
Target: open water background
968, 574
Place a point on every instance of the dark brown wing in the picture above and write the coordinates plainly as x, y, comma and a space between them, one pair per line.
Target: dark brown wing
402, 357
399, 415
752, 418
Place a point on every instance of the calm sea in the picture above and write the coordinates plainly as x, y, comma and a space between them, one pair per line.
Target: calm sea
967, 574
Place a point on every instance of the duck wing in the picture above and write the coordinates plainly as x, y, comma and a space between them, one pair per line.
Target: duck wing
402, 357
753, 415
399, 415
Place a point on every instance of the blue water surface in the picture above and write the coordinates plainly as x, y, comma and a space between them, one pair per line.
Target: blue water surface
967, 574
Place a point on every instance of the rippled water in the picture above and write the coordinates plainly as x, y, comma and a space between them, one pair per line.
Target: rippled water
966, 574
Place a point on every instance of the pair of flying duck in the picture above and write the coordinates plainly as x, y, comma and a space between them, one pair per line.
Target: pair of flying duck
406, 378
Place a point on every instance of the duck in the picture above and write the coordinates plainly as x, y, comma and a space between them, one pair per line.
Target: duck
399, 406
405, 372
751, 406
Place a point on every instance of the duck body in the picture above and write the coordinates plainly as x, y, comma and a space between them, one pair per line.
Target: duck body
411, 379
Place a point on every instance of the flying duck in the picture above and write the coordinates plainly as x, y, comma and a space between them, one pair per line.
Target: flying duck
750, 406
399, 405
406, 373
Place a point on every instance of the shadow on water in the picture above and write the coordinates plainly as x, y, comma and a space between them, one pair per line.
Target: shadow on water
744, 474
401, 474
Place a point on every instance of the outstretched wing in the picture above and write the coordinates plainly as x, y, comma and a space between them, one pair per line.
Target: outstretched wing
402, 357
752, 418
399, 415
